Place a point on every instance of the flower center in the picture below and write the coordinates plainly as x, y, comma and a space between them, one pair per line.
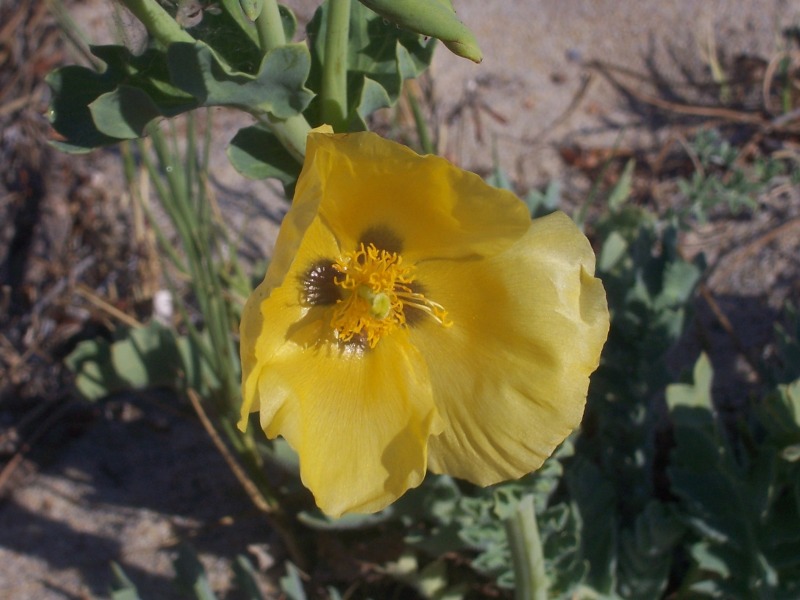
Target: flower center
380, 290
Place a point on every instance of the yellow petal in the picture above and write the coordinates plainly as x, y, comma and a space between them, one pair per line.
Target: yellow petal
258, 339
360, 425
307, 196
436, 210
510, 376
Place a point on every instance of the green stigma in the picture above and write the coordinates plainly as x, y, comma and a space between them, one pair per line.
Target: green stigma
380, 305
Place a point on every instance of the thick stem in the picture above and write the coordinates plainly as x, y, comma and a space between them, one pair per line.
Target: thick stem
291, 132
158, 21
270, 27
333, 96
530, 577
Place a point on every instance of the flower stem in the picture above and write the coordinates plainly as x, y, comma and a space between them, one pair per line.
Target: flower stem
270, 27
530, 578
291, 132
158, 22
333, 95
423, 132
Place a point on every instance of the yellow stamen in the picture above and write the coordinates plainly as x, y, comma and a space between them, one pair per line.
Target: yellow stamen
379, 285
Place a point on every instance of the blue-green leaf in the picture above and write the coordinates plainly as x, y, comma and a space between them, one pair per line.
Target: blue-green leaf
141, 357
122, 588
190, 574
291, 584
277, 88
246, 579
256, 153
80, 95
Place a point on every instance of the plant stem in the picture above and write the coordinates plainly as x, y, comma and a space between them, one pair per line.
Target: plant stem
530, 579
270, 27
423, 133
158, 22
333, 95
291, 132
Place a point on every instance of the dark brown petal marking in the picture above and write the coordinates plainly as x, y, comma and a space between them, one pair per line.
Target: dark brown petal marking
319, 287
357, 345
382, 238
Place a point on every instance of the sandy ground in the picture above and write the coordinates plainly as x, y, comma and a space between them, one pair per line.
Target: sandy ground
540, 55
128, 479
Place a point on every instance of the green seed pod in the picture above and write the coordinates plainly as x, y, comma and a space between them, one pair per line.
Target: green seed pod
435, 18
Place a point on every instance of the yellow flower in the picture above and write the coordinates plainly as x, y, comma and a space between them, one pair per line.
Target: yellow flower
415, 318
